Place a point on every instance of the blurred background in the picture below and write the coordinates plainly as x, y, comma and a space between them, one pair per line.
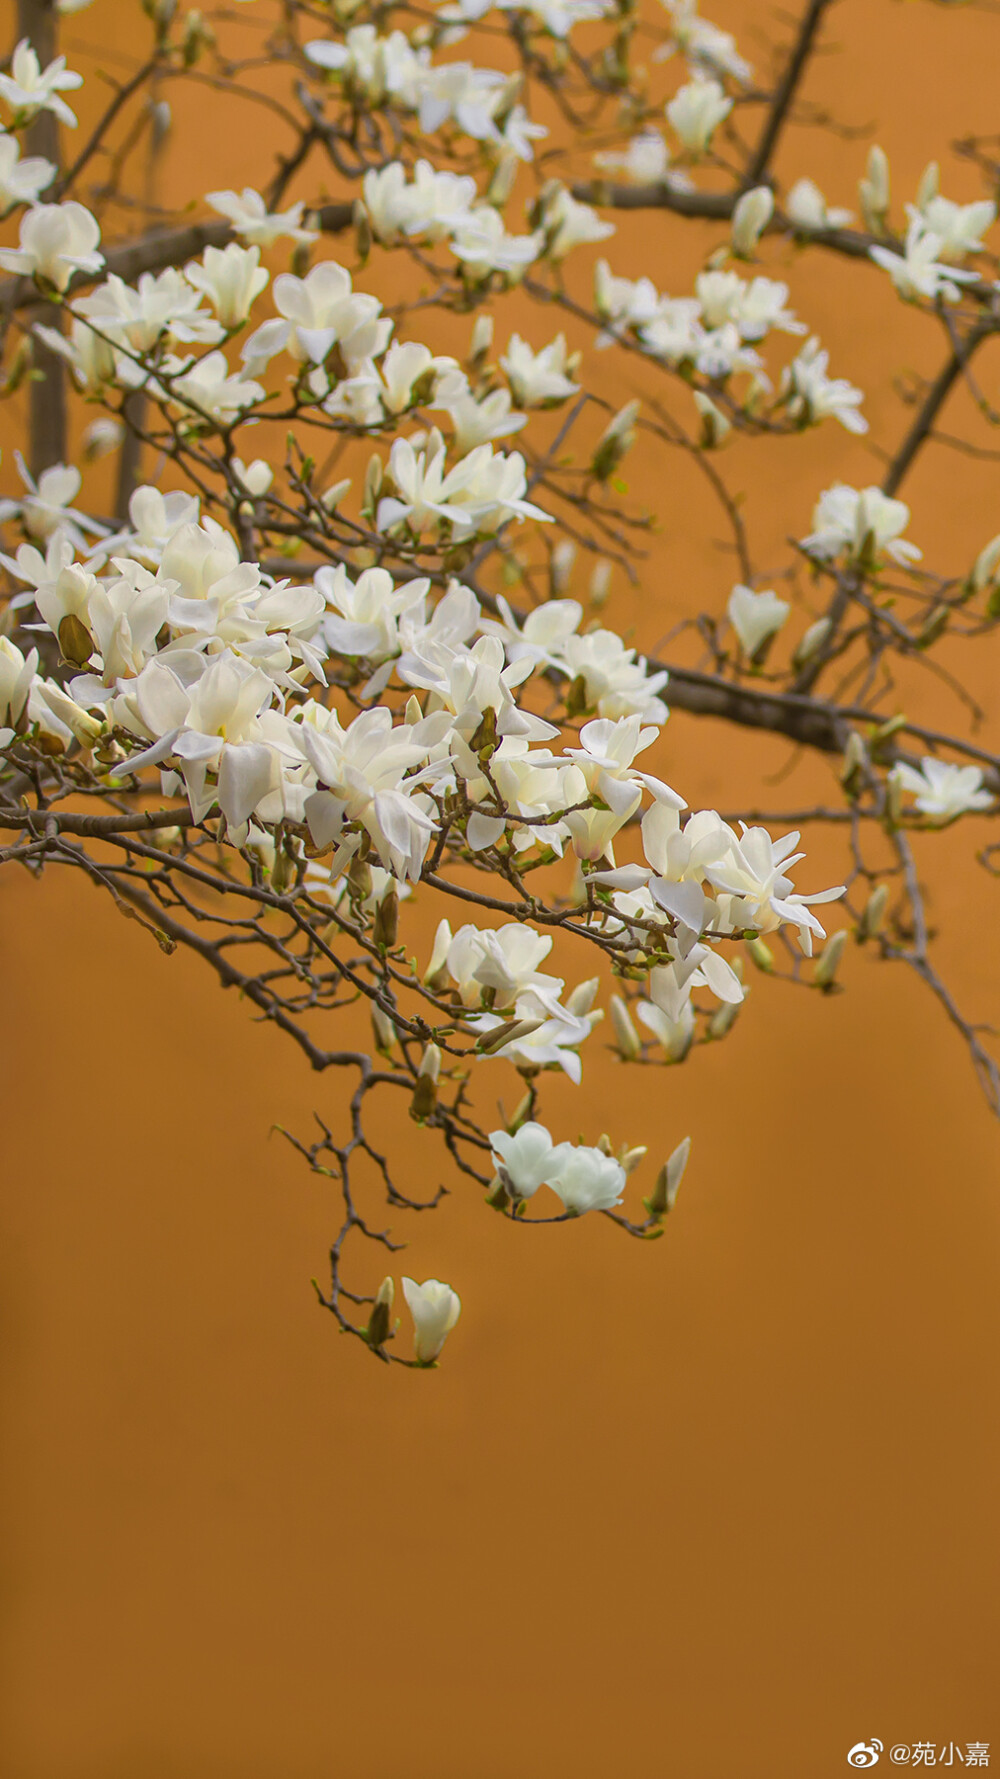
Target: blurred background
718, 1507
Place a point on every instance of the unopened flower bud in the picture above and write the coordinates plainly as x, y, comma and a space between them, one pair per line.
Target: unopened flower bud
873, 190
600, 584
581, 999
874, 913
482, 340
751, 215
101, 437
984, 569
855, 764
425, 1092
380, 1320
75, 640
386, 927
829, 958
815, 638
928, 184
373, 483
664, 1194
507, 1034
723, 1019
627, 1040
563, 558
629, 1159
384, 1031
332, 497
934, 625
362, 231
615, 440
761, 955
715, 428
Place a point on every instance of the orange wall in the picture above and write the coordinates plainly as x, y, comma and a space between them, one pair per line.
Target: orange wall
716, 1508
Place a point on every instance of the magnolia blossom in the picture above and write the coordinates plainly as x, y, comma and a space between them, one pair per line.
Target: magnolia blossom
569, 224
251, 219
674, 1036
29, 88
943, 790
707, 48
646, 160
483, 245
917, 271
807, 208
56, 240
21, 181
528, 1159
435, 1309
855, 520
539, 379
696, 112
588, 1180
232, 278
755, 617
812, 396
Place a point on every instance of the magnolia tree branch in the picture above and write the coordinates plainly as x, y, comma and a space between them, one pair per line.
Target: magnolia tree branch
352, 648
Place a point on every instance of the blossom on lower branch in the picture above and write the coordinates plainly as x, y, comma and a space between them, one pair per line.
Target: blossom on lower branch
435, 1309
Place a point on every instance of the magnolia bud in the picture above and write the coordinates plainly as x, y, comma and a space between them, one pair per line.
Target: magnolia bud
600, 584
928, 184
715, 428
582, 998
724, 1018
101, 437
332, 498
813, 641
751, 215
855, 764
629, 1159
563, 558
873, 190
386, 926
499, 1197
379, 1322
829, 958
664, 1194
761, 955
507, 1034
615, 440
482, 340
425, 1092
934, 625
984, 569
362, 231
384, 1031
874, 913
75, 640
627, 1040
373, 483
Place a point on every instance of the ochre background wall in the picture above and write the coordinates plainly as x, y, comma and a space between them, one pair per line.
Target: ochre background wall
717, 1508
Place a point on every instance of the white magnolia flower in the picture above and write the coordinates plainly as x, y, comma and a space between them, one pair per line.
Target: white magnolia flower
588, 1180
322, 310
674, 1036
28, 88
943, 790
568, 224
374, 67
756, 617
917, 271
696, 112
483, 245
538, 379
250, 217
433, 204
232, 278
958, 227
855, 519
435, 1309
163, 305
17, 672
812, 396
529, 1159
707, 48
646, 160
47, 508
807, 208
753, 874
751, 214
21, 181
56, 240
209, 390
459, 93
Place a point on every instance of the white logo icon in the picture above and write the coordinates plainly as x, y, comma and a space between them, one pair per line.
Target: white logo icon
865, 1754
